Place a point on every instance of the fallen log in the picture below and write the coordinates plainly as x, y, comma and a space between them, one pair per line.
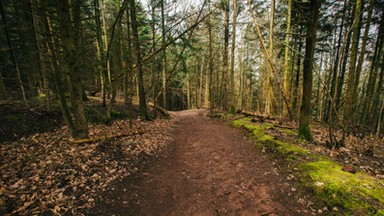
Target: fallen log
160, 109
95, 139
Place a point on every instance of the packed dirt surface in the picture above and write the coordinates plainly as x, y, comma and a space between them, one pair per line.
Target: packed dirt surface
208, 169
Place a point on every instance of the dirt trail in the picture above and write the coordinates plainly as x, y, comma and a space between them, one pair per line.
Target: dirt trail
208, 169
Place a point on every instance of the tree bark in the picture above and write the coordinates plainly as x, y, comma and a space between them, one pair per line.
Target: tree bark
269, 82
286, 75
12, 53
130, 70
233, 92
350, 102
210, 66
164, 57
142, 99
310, 43
74, 69
3, 92
40, 56
225, 56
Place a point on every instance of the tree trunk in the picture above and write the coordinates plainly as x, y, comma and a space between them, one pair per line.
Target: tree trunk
296, 87
234, 20
269, 82
372, 78
329, 104
286, 75
360, 60
40, 56
100, 49
142, 99
350, 102
225, 56
54, 62
3, 92
164, 56
210, 66
74, 69
130, 88
12, 53
310, 43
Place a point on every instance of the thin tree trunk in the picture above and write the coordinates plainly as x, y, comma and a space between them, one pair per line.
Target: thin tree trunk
3, 92
350, 102
233, 92
12, 53
310, 43
286, 75
106, 63
130, 71
40, 56
372, 78
269, 59
100, 50
328, 105
142, 99
269, 82
54, 62
72, 59
154, 64
210, 66
360, 60
164, 56
225, 56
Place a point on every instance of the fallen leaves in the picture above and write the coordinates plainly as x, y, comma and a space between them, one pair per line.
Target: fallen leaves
47, 173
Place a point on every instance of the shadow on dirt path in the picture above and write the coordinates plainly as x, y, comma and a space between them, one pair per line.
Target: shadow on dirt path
208, 169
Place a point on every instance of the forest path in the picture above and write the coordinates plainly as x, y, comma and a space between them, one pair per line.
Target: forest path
208, 169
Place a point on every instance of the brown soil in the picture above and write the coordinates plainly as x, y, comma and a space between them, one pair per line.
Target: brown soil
208, 169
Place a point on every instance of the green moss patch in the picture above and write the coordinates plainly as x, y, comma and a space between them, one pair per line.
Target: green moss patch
259, 133
357, 194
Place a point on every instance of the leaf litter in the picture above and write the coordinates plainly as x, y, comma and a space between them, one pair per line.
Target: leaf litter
48, 174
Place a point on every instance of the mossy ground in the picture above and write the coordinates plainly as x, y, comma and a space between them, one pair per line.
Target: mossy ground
353, 194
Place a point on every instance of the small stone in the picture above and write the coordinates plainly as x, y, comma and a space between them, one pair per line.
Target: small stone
335, 209
349, 168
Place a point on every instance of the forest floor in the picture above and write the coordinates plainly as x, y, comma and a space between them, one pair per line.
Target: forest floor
209, 168
190, 164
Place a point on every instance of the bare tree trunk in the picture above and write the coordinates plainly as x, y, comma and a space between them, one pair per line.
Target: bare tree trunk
296, 87
233, 92
225, 56
164, 57
372, 79
329, 104
130, 88
12, 53
269, 82
3, 92
305, 110
106, 62
40, 56
350, 102
269, 59
286, 75
210, 66
72, 59
100, 49
54, 62
142, 99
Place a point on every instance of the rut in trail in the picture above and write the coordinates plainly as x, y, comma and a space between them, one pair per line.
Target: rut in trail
208, 169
